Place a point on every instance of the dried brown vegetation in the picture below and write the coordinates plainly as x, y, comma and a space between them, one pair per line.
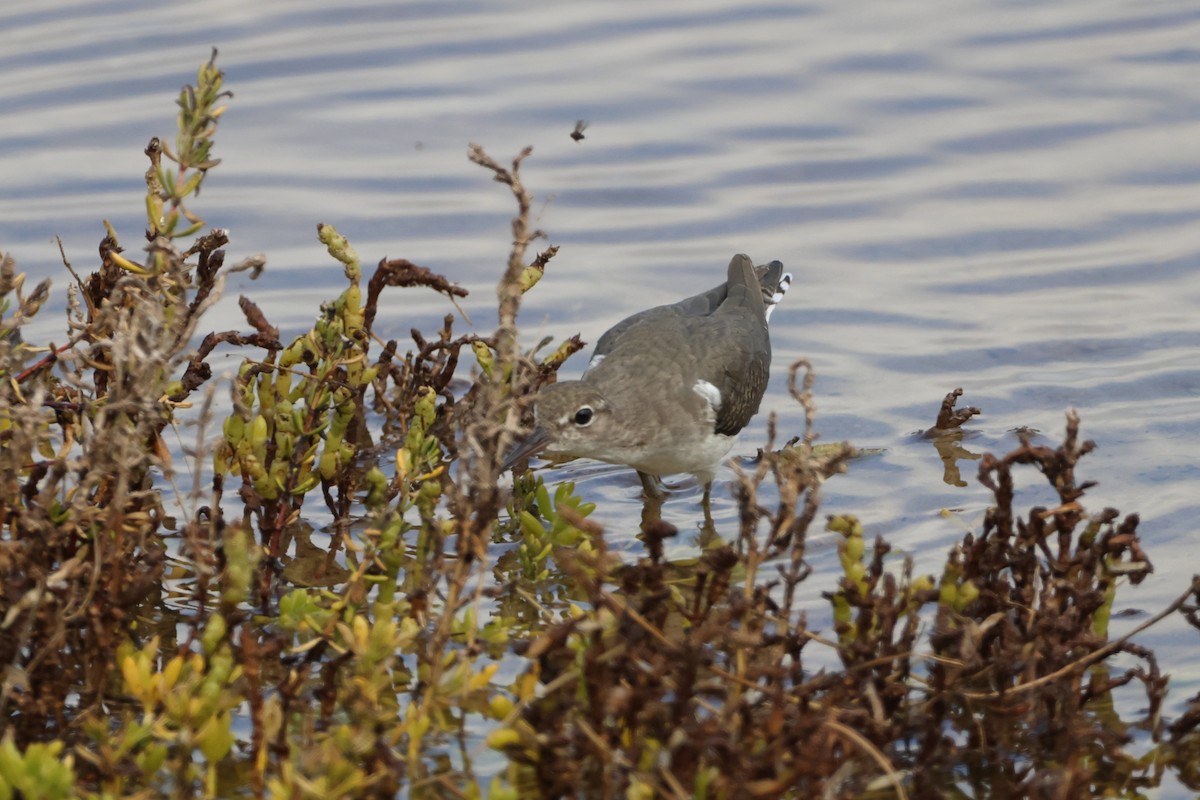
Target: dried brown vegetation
219, 652
703, 690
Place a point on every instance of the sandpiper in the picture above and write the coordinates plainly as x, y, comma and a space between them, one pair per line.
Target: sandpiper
668, 389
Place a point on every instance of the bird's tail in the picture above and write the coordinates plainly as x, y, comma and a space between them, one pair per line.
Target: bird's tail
775, 284
742, 286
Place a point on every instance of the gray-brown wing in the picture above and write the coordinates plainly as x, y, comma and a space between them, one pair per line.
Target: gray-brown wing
700, 305
742, 393
737, 358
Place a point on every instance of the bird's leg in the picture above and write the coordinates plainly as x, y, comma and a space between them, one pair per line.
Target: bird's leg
708, 529
651, 486
652, 510
654, 494
706, 501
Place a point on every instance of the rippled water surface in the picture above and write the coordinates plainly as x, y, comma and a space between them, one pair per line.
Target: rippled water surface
1001, 196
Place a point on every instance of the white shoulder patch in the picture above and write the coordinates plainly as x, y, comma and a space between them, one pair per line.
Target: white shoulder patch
709, 392
595, 362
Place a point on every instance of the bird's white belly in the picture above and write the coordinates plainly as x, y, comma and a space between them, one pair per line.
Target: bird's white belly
697, 456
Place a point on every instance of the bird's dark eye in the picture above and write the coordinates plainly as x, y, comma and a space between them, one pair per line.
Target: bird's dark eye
583, 416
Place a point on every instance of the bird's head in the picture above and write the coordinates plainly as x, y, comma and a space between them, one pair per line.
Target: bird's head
573, 419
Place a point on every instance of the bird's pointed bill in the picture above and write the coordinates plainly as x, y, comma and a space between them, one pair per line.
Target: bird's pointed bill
534, 443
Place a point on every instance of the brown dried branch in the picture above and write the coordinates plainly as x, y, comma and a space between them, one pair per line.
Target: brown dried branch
509, 290
402, 272
266, 336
